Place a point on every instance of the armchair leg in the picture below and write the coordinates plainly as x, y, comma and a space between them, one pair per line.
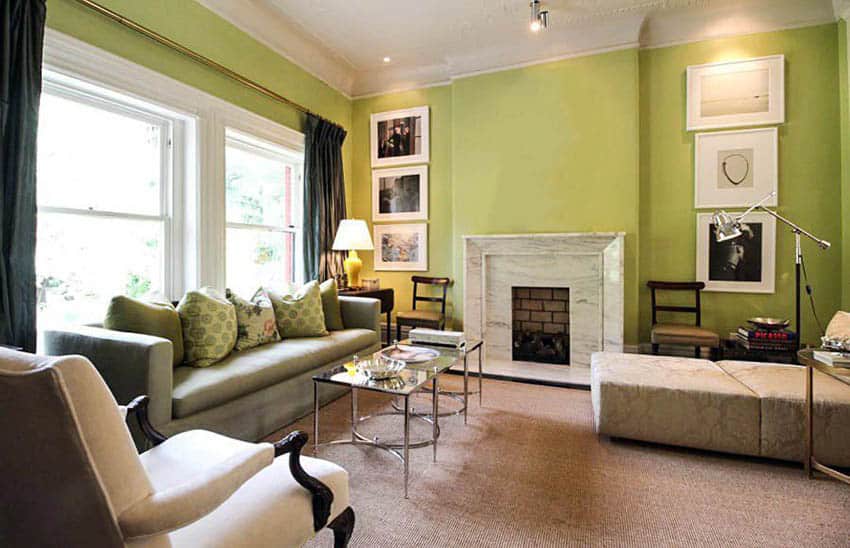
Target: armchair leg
342, 527
397, 330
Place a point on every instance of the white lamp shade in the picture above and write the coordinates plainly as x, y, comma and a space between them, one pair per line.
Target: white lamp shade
352, 234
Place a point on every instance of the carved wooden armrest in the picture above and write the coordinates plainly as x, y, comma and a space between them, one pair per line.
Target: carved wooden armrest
139, 407
322, 495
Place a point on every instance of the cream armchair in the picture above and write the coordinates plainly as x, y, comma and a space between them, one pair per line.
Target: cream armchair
71, 475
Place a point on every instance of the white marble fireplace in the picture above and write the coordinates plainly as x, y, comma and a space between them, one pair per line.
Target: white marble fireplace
589, 264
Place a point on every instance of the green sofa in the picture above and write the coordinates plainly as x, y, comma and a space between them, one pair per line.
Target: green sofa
247, 395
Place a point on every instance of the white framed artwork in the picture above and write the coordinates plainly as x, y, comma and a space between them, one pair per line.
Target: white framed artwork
400, 137
401, 247
400, 194
747, 92
746, 264
735, 168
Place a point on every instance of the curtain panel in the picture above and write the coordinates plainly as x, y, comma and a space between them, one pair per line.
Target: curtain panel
324, 198
21, 44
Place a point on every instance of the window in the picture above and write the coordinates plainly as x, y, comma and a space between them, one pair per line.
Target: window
263, 207
104, 183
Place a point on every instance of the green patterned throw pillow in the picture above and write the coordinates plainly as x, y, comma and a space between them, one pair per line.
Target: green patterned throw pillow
299, 312
255, 321
209, 326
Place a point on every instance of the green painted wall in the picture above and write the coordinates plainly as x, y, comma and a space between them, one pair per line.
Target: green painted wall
550, 148
589, 143
197, 28
844, 87
598, 143
809, 172
521, 151
439, 174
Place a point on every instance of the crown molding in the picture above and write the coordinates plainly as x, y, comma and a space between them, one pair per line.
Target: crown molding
265, 24
841, 9
652, 24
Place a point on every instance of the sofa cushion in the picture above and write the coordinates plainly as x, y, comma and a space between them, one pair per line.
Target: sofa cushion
209, 326
245, 372
781, 389
255, 321
270, 509
299, 311
671, 400
157, 319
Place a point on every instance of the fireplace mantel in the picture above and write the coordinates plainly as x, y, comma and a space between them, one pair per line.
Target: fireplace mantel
590, 264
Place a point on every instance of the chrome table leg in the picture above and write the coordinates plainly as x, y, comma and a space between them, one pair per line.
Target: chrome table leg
435, 395
354, 419
406, 442
480, 375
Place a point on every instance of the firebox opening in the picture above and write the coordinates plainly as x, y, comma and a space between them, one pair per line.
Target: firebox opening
541, 324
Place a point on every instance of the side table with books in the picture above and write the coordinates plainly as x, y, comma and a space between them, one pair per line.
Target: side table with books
756, 343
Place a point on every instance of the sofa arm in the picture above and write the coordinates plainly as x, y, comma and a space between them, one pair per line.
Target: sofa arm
130, 363
361, 312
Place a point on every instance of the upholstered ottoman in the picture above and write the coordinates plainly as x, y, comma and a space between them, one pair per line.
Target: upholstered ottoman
781, 389
671, 400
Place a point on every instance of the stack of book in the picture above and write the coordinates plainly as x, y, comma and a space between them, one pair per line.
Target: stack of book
423, 335
771, 340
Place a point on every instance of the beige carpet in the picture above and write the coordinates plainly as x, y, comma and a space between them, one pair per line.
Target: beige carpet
528, 471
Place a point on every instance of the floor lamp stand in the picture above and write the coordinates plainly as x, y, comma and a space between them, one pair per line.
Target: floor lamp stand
798, 254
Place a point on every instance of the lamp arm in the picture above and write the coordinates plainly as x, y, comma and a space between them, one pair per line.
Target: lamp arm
755, 206
823, 244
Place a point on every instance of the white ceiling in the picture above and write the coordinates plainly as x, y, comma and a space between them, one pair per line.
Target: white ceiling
343, 42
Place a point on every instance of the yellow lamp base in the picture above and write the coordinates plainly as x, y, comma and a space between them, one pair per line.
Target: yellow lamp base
352, 266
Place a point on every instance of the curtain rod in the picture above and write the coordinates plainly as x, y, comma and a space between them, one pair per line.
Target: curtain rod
171, 44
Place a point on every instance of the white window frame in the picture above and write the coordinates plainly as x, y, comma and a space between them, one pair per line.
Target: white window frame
249, 143
198, 150
66, 89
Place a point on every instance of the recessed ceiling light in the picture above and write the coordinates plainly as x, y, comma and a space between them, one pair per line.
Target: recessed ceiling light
387, 59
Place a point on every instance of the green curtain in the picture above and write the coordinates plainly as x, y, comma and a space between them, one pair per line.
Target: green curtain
21, 44
324, 197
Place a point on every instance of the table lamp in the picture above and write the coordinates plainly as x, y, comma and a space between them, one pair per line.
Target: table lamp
352, 234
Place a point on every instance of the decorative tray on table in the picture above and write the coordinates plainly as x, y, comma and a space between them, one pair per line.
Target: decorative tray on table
410, 354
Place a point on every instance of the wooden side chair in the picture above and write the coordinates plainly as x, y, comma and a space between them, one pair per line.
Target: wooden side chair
677, 333
433, 319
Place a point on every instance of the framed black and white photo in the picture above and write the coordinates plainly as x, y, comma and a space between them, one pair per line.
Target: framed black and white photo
748, 92
401, 247
400, 137
735, 168
746, 264
400, 194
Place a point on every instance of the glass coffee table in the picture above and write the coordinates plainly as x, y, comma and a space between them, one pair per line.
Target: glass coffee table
413, 378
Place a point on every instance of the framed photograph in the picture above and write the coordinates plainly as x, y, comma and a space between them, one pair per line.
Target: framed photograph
400, 194
401, 247
735, 168
749, 92
400, 137
746, 264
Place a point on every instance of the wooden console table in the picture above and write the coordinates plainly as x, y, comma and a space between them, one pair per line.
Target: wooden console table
842, 374
386, 296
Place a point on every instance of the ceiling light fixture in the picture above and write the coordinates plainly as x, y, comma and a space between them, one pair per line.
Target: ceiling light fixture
539, 17
387, 59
